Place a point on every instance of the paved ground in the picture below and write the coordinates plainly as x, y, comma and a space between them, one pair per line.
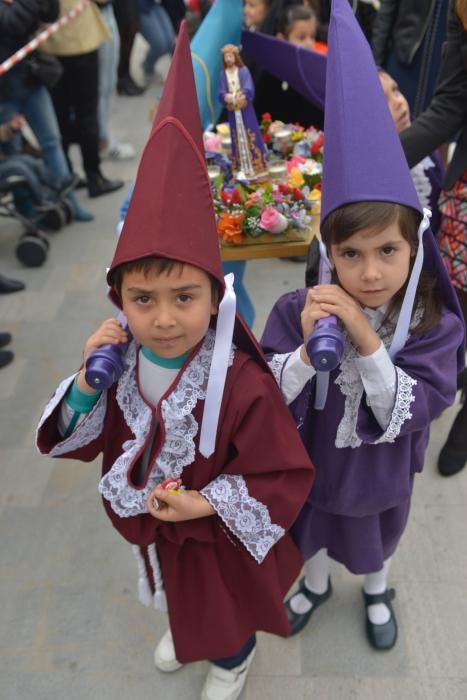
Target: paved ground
71, 627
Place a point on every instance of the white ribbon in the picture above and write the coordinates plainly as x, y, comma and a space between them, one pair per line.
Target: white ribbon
405, 315
218, 369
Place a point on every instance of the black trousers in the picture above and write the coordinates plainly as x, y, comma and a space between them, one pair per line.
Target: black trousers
75, 100
126, 15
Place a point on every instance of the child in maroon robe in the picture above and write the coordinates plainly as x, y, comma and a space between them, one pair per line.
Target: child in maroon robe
403, 343
192, 406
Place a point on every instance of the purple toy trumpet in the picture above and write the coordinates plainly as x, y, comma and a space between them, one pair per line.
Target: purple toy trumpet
325, 346
106, 364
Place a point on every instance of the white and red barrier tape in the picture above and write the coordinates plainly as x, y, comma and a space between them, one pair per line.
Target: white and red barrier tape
40, 38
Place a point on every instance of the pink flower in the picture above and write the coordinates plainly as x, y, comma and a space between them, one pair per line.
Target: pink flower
272, 221
294, 162
213, 143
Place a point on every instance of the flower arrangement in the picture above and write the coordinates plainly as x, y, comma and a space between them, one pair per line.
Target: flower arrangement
255, 209
304, 142
250, 209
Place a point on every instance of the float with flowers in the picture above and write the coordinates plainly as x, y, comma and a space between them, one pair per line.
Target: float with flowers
277, 206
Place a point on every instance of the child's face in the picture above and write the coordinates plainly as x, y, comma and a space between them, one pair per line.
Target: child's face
303, 33
168, 312
398, 105
254, 12
372, 266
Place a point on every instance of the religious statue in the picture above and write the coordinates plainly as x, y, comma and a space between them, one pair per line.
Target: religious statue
236, 92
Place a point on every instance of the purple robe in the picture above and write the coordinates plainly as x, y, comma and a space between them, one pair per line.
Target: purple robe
360, 501
256, 144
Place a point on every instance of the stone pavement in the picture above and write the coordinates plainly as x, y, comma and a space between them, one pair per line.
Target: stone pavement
71, 627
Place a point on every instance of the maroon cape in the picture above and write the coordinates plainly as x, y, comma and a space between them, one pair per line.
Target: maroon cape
217, 593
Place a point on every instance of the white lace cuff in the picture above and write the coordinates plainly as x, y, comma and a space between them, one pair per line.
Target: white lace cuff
246, 517
401, 411
86, 431
291, 373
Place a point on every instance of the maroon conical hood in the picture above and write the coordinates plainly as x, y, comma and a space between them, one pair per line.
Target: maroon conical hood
171, 212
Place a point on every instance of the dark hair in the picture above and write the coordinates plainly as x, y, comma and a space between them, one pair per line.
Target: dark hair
157, 265
348, 220
294, 13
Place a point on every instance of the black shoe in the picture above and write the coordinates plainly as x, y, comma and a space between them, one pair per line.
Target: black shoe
381, 637
127, 86
82, 183
299, 620
99, 185
453, 456
5, 339
6, 356
8, 285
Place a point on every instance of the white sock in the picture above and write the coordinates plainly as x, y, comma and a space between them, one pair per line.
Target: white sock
316, 580
373, 584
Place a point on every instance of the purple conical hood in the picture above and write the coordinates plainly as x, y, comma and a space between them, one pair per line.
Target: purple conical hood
363, 156
363, 160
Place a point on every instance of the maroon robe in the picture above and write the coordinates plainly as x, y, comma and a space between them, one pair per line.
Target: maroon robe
217, 592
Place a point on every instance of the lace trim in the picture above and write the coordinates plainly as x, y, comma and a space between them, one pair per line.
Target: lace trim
350, 383
87, 430
401, 412
246, 517
276, 365
178, 450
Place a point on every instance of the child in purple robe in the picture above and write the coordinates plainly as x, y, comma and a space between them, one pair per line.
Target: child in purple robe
403, 338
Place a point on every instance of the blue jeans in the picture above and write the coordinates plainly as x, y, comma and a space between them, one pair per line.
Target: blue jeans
109, 53
37, 107
230, 662
157, 29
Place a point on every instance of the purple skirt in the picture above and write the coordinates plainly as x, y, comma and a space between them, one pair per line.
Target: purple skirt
361, 544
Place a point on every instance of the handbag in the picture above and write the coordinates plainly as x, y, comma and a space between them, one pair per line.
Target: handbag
45, 69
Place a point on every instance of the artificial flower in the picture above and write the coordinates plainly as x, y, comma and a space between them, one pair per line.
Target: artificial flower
295, 178
272, 221
213, 143
297, 194
229, 227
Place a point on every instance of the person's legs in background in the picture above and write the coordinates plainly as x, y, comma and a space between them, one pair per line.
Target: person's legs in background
37, 108
108, 54
453, 456
157, 29
126, 15
73, 95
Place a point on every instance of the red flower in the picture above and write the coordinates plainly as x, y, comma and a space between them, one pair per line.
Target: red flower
318, 186
225, 197
317, 145
297, 194
236, 197
285, 189
266, 117
267, 138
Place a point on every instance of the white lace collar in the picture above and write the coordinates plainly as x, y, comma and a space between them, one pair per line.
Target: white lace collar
350, 382
178, 449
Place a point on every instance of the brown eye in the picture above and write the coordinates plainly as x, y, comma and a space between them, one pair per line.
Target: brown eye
388, 250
